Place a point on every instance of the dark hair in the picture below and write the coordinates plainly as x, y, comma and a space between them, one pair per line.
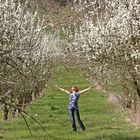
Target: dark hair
75, 89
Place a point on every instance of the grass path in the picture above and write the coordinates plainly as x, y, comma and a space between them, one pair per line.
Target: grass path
99, 117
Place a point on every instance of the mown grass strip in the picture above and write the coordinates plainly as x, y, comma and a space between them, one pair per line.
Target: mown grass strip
99, 117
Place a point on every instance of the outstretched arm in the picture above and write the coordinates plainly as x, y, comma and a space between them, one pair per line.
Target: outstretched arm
66, 91
84, 90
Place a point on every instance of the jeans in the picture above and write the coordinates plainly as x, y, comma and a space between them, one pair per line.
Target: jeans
74, 112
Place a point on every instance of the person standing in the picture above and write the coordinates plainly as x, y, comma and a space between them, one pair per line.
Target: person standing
74, 95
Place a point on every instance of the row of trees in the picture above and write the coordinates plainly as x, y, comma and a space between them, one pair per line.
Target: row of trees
27, 55
107, 44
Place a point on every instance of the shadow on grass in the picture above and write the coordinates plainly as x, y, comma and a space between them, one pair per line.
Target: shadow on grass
29, 137
112, 128
1, 137
116, 137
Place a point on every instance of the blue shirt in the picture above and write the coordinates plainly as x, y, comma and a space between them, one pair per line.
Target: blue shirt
73, 100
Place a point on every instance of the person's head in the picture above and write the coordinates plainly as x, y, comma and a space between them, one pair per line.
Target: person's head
74, 89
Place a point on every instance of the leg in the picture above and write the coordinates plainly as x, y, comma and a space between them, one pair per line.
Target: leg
71, 111
79, 120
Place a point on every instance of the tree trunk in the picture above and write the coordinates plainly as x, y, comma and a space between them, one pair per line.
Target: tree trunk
20, 102
6, 111
137, 88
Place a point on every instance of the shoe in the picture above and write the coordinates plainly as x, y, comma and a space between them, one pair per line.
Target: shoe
74, 130
83, 130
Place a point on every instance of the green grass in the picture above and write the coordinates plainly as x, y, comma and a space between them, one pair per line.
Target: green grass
99, 117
